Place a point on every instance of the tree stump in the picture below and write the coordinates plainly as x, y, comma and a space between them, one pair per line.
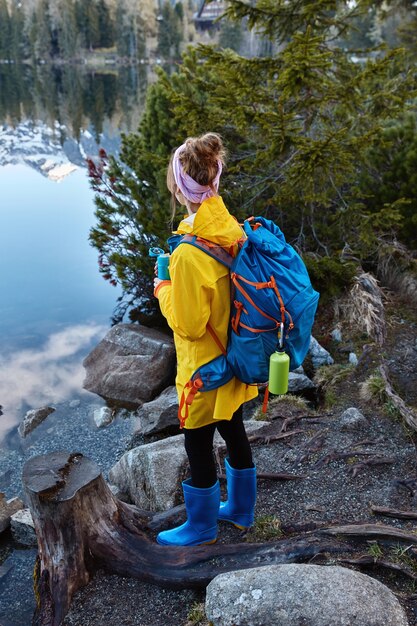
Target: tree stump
82, 527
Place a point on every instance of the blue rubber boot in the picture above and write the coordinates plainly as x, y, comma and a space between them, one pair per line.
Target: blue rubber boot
241, 497
202, 506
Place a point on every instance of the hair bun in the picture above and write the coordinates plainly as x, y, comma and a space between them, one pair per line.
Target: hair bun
201, 155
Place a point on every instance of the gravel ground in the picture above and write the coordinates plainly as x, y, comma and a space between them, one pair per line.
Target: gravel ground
69, 428
118, 601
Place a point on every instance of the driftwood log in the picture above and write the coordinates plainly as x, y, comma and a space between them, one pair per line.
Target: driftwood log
81, 527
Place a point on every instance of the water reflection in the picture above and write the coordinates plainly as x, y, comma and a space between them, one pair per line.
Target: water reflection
52, 373
77, 97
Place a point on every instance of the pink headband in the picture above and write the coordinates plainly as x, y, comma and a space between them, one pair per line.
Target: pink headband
190, 189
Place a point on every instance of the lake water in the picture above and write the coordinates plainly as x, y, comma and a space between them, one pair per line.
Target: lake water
54, 304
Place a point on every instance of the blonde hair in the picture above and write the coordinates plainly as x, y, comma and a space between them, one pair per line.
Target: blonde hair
199, 159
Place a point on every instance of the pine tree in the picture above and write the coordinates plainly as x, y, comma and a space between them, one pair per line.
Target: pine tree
170, 30
68, 38
5, 31
105, 26
42, 34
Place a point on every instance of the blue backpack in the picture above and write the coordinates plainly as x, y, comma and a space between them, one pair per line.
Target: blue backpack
272, 304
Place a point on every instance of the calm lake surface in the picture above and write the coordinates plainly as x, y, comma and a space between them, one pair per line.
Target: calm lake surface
54, 305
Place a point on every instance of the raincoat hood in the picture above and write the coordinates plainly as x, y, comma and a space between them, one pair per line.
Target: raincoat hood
213, 222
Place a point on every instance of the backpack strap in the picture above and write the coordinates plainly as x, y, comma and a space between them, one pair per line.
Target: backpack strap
216, 252
212, 249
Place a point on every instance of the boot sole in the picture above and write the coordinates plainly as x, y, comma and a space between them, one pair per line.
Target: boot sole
229, 521
188, 545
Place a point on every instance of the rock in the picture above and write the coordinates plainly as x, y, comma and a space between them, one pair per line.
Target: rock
34, 418
154, 417
151, 474
353, 359
352, 418
132, 364
295, 595
7, 508
336, 334
103, 416
299, 382
319, 356
23, 528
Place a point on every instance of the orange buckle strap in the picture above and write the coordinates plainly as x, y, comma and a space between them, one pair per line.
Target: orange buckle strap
236, 319
194, 386
266, 398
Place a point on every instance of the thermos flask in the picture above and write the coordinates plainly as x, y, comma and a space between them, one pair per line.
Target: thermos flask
163, 266
162, 262
279, 367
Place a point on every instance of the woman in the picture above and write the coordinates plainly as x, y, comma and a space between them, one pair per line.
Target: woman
198, 294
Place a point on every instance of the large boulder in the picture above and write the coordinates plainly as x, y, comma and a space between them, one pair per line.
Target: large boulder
319, 356
131, 365
291, 595
151, 474
159, 414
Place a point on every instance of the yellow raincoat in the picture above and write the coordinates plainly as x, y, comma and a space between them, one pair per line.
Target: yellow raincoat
197, 294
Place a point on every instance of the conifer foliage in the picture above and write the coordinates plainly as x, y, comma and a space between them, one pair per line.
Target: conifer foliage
298, 125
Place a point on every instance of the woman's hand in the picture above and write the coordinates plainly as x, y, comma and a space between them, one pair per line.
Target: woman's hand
156, 282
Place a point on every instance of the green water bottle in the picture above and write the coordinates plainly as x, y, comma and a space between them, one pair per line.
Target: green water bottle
279, 367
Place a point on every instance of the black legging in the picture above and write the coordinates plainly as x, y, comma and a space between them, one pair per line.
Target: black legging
199, 448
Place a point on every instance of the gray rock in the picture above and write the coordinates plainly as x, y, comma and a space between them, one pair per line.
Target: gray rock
352, 418
33, 418
299, 382
23, 528
151, 474
353, 359
154, 417
7, 508
132, 364
319, 356
296, 595
103, 416
337, 334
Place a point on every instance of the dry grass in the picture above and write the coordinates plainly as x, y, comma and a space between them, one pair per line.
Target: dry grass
373, 390
197, 616
363, 307
329, 375
283, 406
266, 528
398, 269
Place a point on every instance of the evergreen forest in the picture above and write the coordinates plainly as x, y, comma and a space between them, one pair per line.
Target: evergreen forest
320, 127
48, 30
